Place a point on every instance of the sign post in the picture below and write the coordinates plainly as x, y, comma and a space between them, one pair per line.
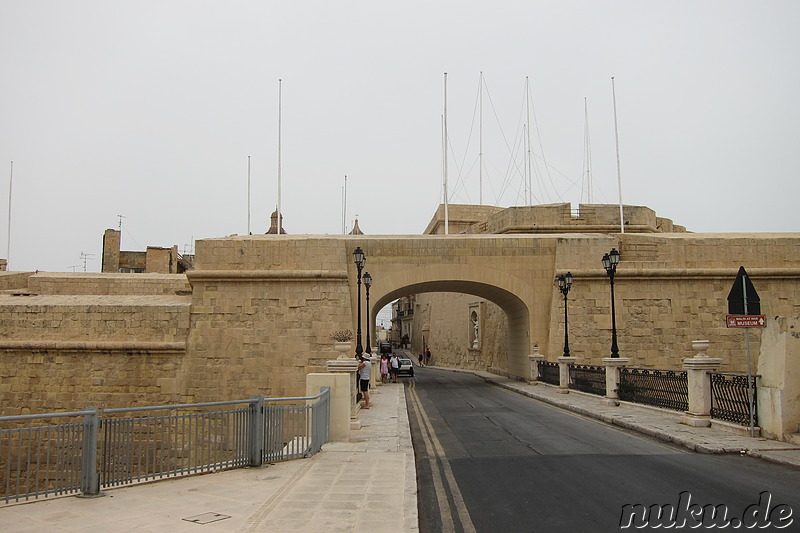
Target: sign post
742, 301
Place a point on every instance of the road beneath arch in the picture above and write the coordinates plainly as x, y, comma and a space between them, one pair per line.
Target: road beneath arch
490, 460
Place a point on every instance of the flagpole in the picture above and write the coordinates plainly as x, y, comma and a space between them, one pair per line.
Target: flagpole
8, 241
446, 216
619, 175
278, 209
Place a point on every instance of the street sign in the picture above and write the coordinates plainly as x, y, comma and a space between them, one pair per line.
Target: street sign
743, 298
746, 321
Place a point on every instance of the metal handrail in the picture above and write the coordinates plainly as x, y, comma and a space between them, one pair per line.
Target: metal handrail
40, 460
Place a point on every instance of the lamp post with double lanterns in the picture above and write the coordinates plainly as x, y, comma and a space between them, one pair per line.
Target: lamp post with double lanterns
564, 284
359, 259
368, 284
610, 262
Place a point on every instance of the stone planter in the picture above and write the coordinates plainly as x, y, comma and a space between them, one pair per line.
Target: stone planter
345, 349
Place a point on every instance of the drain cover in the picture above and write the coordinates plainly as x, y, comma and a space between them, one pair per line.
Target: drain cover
206, 518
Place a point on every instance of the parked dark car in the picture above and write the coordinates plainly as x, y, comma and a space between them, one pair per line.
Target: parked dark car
386, 347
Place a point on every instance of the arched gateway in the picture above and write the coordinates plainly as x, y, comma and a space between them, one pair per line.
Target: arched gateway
266, 304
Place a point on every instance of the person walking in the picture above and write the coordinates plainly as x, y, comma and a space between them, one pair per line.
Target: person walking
427, 356
364, 368
394, 367
384, 367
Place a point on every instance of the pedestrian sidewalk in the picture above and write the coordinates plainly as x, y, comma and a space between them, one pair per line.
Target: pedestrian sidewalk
368, 484
662, 424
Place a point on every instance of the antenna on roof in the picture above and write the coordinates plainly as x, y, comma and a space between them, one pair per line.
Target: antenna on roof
85, 257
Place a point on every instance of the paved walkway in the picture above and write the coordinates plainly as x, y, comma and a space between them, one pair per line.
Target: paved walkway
368, 484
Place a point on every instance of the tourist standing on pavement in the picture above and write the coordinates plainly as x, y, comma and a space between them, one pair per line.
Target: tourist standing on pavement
427, 356
384, 367
364, 368
421, 357
394, 367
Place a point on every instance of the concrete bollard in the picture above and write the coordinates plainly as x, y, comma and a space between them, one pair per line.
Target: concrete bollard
613, 366
697, 370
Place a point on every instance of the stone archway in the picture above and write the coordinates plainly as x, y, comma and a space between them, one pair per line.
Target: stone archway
516, 310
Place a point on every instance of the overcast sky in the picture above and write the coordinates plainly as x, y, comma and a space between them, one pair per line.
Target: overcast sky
149, 109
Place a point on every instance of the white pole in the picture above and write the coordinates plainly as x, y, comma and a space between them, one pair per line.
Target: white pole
446, 216
344, 207
8, 241
480, 155
528, 173
248, 195
588, 154
619, 175
278, 210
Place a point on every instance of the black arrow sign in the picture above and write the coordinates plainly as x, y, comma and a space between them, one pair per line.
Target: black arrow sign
743, 298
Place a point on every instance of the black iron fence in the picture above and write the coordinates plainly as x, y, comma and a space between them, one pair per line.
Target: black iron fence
660, 388
548, 372
730, 400
588, 378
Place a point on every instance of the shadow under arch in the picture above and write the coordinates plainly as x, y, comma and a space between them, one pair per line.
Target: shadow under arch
516, 311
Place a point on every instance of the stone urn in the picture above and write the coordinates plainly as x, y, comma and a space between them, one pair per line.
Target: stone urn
344, 348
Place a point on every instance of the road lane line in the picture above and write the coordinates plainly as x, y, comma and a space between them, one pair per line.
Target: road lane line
436, 447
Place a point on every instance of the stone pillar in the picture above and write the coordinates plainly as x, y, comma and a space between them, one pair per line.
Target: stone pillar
613, 366
534, 358
375, 371
340, 401
563, 373
348, 366
697, 370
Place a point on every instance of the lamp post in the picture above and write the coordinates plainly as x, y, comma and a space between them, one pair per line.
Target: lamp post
564, 284
359, 259
610, 262
368, 284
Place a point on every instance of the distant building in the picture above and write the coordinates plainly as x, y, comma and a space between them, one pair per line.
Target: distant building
155, 260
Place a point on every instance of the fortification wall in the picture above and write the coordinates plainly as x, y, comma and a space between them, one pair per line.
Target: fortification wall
108, 284
263, 308
14, 280
65, 352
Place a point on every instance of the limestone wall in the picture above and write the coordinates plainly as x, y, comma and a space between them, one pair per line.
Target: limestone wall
42, 380
62, 352
443, 322
262, 311
14, 280
108, 284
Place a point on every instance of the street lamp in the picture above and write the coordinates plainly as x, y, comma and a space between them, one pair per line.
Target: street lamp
610, 262
368, 284
359, 259
564, 284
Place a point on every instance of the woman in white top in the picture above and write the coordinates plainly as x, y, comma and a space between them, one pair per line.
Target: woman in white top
364, 370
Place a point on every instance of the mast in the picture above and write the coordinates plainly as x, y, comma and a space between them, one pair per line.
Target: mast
278, 209
248, 195
344, 206
446, 216
528, 173
8, 241
587, 151
480, 137
619, 175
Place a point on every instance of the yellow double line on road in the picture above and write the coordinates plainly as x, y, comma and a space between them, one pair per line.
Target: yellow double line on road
440, 468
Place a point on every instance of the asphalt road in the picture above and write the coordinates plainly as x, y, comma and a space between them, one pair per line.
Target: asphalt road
489, 460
